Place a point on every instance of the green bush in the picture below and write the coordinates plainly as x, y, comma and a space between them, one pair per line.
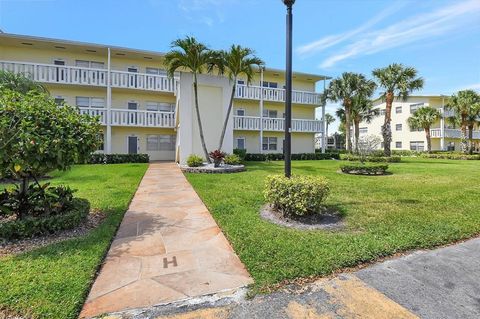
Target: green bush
98, 158
298, 195
452, 156
232, 159
240, 152
405, 153
299, 156
34, 226
194, 161
364, 169
373, 159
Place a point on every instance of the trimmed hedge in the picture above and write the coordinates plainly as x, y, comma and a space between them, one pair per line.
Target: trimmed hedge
373, 159
364, 169
34, 226
452, 156
240, 153
98, 158
299, 156
297, 195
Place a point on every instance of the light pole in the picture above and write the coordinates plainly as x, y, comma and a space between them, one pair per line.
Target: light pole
287, 148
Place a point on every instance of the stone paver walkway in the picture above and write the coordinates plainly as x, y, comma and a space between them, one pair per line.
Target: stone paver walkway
168, 248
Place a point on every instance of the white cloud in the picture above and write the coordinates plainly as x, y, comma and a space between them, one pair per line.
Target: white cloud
420, 27
207, 12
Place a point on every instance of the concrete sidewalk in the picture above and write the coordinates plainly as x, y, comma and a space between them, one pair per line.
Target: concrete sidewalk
437, 284
168, 248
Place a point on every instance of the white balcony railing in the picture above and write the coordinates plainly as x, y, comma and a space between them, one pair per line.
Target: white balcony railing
451, 133
139, 118
276, 95
252, 123
63, 74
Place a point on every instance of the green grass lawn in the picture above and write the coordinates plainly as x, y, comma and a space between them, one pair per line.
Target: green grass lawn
52, 282
423, 204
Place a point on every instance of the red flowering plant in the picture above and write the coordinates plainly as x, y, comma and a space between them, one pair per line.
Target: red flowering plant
217, 156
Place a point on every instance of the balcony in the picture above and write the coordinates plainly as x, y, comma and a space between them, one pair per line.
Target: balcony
252, 123
137, 118
451, 133
63, 74
276, 95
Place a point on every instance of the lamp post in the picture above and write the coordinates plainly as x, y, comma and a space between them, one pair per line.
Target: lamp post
287, 148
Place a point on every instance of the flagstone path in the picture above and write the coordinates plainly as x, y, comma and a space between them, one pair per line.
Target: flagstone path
168, 248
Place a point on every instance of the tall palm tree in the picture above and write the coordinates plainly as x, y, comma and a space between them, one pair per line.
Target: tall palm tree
397, 81
344, 89
329, 119
472, 121
20, 82
423, 118
464, 104
191, 55
236, 62
362, 111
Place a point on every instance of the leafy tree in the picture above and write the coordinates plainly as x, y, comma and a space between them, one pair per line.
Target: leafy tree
236, 62
191, 55
424, 118
37, 136
19, 82
465, 104
362, 111
329, 119
344, 89
396, 81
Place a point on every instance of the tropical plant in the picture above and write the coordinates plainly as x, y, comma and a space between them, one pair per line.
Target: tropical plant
189, 54
329, 119
396, 81
344, 89
362, 111
238, 61
194, 160
232, 159
20, 83
423, 118
217, 157
466, 105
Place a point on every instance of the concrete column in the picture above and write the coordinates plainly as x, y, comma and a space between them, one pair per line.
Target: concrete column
442, 126
109, 106
261, 111
324, 136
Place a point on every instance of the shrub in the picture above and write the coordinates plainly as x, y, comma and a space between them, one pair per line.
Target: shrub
194, 161
34, 226
405, 153
232, 159
364, 169
298, 195
452, 156
99, 158
241, 153
299, 156
374, 159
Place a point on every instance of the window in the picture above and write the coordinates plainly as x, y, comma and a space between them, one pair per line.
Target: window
101, 137
398, 127
267, 84
156, 71
161, 142
269, 144
94, 102
89, 64
416, 129
270, 113
451, 146
398, 110
240, 143
241, 82
398, 144
59, 100
363, 130
240, 112
414, 107
160, 106
417, 146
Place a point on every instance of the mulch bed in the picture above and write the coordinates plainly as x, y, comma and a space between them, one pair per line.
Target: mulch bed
326, 220
14, 247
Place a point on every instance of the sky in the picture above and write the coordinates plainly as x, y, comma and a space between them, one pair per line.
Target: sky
441, 38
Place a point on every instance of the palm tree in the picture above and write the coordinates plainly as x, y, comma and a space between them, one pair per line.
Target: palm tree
189, 54
344, 89
464, 104
234, 63
20, 82
362, 111
424, 117
472, 121
398, 81
329, 119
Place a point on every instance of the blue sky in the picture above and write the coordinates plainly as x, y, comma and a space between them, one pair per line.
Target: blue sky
440, 38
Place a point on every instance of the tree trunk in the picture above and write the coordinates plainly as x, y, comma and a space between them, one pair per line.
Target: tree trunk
348, 139
23, 205
357, 133
325, 139
470, 139
429, 139
227, 116
386, 128
463, 136
199, 120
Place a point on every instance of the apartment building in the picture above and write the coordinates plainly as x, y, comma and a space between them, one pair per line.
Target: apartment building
444, 134
144, 111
